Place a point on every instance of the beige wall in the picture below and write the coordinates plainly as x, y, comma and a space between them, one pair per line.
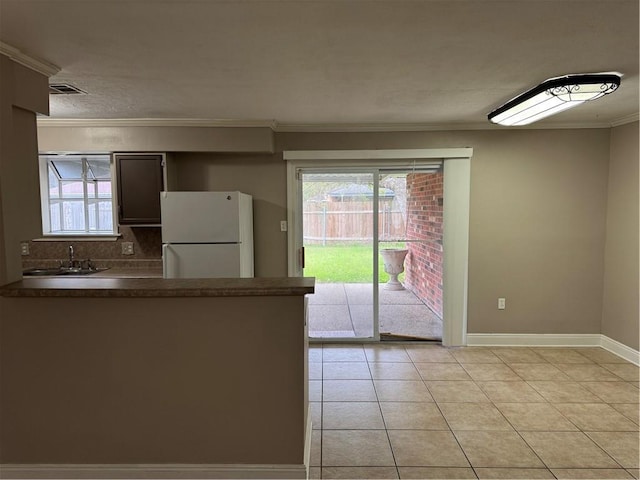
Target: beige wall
620, 304
263, 177
537, 221
538, 215
538, 204
194, 380
23, 92
155, 139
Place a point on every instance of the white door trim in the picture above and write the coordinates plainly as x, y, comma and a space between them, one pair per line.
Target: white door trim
456, 215
393, 154
455, 247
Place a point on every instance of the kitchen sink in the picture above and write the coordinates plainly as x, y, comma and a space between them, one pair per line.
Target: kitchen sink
31, 272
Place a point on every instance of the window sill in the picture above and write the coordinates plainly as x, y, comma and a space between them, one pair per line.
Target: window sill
112, 237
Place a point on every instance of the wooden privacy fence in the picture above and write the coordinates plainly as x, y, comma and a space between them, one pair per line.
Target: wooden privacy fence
332, 222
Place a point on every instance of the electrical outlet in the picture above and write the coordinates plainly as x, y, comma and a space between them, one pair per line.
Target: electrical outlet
127, 248
283, 225
502, 303
24, 248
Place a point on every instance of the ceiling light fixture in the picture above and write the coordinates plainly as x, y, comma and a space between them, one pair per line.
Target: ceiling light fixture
553, 96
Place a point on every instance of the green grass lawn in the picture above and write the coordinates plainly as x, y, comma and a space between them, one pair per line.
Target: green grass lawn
343, 263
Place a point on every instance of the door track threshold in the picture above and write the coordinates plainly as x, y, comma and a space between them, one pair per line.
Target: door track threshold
394, 337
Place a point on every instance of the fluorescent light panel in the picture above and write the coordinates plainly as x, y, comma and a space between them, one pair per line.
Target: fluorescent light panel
553, 96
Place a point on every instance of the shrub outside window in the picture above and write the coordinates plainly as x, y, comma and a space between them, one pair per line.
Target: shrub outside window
77, 195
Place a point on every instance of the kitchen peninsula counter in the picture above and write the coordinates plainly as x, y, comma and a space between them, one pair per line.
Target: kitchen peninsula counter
123, 375
91, 286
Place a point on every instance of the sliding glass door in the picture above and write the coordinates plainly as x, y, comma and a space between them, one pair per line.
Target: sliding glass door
410, 207
372, 238
338, 241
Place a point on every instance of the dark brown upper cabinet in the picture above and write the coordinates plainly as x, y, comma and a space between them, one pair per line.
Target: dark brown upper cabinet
140, 181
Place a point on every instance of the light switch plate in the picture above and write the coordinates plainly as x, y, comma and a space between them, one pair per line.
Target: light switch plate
502, 303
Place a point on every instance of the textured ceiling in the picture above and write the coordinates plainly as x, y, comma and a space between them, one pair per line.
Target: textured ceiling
325, 63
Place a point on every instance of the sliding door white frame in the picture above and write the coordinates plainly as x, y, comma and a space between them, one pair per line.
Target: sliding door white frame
455, 247
455, 218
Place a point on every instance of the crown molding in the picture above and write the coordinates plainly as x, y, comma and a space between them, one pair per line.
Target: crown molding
275, 126
41, 66
634, 117
152, 122
376, 127
311, 128
413, 127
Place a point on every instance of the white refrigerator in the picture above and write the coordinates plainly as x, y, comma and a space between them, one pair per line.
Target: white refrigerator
207, 234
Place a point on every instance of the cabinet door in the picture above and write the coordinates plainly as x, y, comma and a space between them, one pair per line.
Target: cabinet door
139, 185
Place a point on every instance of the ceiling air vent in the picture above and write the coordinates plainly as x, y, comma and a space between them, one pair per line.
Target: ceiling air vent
64, 89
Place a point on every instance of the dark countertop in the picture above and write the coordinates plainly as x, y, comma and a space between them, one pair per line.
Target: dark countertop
93, 286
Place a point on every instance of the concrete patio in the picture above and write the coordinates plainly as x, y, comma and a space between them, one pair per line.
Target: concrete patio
346, 310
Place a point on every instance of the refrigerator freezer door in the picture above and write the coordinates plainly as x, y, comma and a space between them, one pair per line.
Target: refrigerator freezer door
204, 261
202, 217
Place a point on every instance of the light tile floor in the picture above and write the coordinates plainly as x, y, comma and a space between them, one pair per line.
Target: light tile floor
425, 411
346, 310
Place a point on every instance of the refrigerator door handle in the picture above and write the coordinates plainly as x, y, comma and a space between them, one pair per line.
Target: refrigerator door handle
164, 261
169, 262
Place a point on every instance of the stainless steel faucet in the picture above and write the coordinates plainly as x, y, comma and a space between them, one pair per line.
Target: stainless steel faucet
70, 256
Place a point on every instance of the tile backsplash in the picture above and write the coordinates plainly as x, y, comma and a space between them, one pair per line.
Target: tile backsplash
147, 250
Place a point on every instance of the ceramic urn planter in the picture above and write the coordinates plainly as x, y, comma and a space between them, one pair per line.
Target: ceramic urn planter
393, 259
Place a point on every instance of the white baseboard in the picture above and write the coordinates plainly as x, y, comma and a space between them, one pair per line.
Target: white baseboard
307, 441
155, 471
621, 350
555, 340
168, 471
534, 339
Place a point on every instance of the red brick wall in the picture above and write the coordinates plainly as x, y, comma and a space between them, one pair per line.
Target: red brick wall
423, 266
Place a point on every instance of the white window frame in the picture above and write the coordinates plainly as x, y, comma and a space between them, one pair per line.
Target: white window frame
457, 181
44, 160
